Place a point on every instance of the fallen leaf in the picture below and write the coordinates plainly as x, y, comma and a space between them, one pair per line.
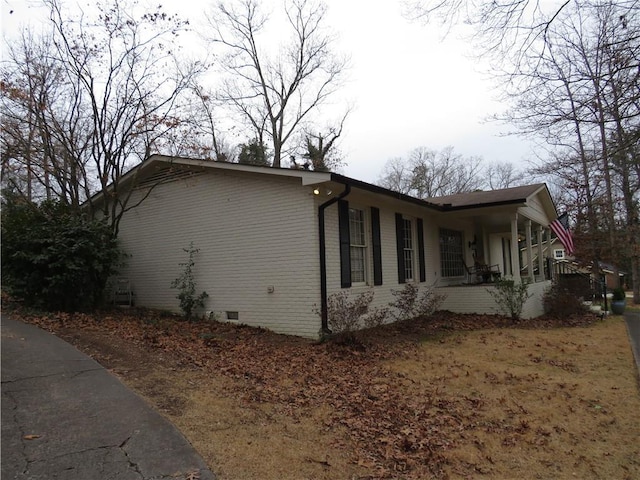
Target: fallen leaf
31, 437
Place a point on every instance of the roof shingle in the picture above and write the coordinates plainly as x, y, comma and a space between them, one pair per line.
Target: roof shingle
483, 198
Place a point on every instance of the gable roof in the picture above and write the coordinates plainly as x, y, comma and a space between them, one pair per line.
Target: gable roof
503, 196
515, 195
155, 168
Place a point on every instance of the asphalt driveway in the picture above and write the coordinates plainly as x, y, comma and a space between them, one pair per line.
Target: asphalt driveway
65, 417
633, 327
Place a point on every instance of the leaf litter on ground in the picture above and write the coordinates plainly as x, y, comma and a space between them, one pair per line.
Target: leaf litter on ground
393, 425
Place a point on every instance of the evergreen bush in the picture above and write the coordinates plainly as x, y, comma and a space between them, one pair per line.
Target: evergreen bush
186, 285
561, 301
55, 259
618, 294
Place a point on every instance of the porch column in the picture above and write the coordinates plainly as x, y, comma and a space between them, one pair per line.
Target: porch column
485, 247
527, 225
540, 253
515, 254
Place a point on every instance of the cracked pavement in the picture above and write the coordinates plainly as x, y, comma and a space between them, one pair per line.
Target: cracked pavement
65, 417
633, 329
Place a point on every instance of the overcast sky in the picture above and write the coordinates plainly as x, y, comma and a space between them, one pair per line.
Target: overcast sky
413, 88
410, 87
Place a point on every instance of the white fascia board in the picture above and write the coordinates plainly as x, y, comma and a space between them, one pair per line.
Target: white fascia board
307, 177
318, 177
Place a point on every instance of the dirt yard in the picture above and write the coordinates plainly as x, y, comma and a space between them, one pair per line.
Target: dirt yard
447, 397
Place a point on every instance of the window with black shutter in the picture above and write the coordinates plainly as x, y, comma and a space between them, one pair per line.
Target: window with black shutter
376, 244
345, 242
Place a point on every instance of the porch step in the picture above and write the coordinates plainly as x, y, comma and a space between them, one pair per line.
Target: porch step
592, 307
597, 309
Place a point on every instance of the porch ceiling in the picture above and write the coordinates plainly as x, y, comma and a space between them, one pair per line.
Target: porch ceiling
493, 219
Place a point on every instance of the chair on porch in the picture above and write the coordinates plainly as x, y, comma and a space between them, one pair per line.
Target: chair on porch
471, 275
488, 273
481, 273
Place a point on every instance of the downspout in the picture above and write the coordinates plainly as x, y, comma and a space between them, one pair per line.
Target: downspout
324, 315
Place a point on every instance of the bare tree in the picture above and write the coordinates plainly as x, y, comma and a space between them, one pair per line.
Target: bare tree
275, 94
205, 123
581, 95
321, 149
200, 131
443, 173
397, 176
100, 93
428, 173
502, 175
38, 121
571, 70
503, 30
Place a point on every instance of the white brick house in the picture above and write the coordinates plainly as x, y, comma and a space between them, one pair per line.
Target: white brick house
275, 243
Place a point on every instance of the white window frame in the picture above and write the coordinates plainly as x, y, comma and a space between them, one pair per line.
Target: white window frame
450, 260
358, 245
408, 249
558, 254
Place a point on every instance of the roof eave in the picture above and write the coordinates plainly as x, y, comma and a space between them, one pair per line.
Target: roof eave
306, 177
450, 208
369, 187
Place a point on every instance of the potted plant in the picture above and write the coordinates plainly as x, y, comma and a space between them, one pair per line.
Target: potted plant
618, 301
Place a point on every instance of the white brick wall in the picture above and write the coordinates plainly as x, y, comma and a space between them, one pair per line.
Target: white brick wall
257, 231
534, 307
383, 294
462, 299
476, 299
252, 231
468, 299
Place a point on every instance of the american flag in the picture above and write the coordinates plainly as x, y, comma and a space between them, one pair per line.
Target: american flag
560, 226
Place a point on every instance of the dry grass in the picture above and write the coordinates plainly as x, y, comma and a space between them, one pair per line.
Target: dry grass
551, 404
426, 402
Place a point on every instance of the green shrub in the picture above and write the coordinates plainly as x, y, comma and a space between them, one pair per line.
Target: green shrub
562, 301
618, 294
55, 259
510, 297
186, 285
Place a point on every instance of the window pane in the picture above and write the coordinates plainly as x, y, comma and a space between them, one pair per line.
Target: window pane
407, 234
358, 245
356, 226
408, 250
451, 253
357, 264
408, 265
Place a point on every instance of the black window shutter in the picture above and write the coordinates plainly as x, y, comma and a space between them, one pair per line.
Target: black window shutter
377, 246
400, 247
423, 268
345, 243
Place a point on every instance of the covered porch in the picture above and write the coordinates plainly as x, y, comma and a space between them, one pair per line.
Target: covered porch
513, 247
506, 233
506, 236
513, 244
